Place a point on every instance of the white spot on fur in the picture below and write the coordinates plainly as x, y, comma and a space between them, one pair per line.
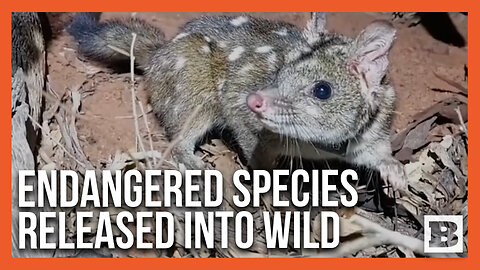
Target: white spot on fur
292, 55
281, 32
272, 58
239, 21
207, 39
222, 44
236, 53
180, 62
205, 49
179, 36
245, 69
306, 49
263, 49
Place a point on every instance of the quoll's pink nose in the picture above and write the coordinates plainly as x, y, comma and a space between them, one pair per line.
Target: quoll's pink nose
256, 103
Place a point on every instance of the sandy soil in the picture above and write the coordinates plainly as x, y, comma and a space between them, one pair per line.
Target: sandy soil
417, 62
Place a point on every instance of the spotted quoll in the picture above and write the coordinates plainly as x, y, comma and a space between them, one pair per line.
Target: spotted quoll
279, 89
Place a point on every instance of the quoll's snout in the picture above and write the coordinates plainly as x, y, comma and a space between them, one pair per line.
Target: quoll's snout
256, 103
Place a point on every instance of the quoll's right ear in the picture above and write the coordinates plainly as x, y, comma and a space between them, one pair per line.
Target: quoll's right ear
369, 57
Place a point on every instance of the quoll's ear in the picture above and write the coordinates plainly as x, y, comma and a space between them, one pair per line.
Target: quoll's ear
315, 27
369, 56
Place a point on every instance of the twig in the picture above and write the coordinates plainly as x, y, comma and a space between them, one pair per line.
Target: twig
376, 235
127, 116
462, 123
461, 89
149, 133
119, 50
59, 104
138, 138
56, 142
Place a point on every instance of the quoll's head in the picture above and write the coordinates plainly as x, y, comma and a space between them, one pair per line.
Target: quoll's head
328, 91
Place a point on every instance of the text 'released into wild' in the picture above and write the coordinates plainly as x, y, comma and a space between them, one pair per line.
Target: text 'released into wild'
150, 201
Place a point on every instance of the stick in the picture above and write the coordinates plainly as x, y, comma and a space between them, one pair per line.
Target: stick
149, 133
57, 143
138, 138
462, 124
376, 235
121, 51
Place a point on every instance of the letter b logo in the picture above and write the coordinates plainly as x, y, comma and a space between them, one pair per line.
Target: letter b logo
445, 233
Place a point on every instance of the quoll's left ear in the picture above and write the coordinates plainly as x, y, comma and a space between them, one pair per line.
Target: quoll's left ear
315, 27
369, 54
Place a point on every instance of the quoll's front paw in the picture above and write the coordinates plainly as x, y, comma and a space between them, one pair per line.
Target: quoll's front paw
196, 163
190, 161
393, 173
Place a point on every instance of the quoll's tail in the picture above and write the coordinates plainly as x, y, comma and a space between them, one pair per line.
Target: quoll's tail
100, 41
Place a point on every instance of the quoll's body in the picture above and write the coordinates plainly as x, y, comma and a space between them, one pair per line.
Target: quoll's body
279, 89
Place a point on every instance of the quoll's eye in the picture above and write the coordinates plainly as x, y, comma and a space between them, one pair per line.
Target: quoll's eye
322, 90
